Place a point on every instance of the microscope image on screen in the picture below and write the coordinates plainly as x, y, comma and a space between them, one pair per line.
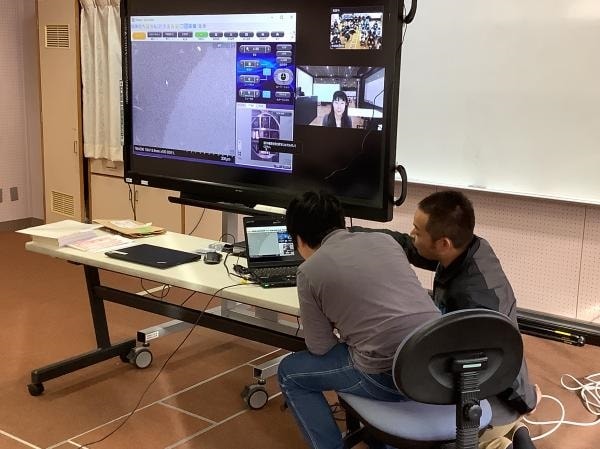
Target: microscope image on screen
245, 79
264, 126
356, 28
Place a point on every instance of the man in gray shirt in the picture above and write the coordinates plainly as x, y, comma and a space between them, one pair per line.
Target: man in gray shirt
360, 285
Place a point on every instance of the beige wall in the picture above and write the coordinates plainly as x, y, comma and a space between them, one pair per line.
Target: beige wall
20, 155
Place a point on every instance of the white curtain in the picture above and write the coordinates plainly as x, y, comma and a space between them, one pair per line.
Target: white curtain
101, 79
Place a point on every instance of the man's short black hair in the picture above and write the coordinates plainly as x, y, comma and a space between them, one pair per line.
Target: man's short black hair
313, 215
451, 215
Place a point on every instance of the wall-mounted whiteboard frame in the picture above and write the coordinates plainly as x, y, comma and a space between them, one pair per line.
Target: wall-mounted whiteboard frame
503, 97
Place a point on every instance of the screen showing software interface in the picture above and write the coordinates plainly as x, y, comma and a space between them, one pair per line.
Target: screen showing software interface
269, 241
225, 81
356, 28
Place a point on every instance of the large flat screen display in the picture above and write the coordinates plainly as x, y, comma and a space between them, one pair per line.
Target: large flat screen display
221, 100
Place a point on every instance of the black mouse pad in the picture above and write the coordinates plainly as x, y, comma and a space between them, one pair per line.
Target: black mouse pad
153, 256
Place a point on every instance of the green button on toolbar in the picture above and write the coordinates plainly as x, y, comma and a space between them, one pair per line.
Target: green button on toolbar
201, 34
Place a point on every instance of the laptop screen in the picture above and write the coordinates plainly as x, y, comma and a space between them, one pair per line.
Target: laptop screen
268, 242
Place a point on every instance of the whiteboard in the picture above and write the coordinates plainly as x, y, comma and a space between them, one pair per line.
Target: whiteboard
325, 92
374, 88
304, 81
503, 96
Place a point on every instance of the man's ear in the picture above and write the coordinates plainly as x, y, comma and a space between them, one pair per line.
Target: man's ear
444, 244
301, 246
304, 249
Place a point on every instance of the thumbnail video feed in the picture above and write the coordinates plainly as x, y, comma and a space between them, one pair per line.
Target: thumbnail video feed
340, 96
354, 30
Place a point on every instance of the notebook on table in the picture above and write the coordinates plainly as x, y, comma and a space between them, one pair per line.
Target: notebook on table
153, 256
272, 259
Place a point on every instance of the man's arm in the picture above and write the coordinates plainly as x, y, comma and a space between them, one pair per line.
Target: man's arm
318, 330
482, 298
407, 244
473, 299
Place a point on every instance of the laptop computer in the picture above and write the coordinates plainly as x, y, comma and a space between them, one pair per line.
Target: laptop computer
153, 256
272, 259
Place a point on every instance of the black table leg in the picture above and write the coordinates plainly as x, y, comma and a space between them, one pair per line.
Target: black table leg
104, 350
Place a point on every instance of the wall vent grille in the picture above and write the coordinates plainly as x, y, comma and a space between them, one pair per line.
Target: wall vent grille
57, 36
62, 203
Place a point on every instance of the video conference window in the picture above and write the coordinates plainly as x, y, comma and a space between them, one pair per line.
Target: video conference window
356, 28
224, 82
340, 96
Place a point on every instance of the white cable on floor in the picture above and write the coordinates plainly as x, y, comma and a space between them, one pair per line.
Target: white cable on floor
557, 424
589, 392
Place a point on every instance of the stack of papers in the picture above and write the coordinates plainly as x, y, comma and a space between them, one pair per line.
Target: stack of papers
88, 237
61, 233
102, 242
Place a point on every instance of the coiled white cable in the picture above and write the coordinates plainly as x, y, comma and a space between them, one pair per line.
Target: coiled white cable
589, 392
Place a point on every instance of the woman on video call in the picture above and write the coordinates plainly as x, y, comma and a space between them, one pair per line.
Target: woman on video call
338, 116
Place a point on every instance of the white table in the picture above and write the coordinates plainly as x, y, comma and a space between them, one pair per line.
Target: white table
264, 326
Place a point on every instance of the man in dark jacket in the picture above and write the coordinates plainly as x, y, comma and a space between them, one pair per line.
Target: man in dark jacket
468, 275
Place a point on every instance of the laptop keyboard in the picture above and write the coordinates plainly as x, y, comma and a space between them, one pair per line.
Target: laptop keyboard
277, 281
275, 272
275, 276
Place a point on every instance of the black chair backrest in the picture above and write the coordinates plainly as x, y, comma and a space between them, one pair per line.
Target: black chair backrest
423, 364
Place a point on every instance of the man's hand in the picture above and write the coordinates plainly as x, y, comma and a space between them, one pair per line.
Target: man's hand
538, 398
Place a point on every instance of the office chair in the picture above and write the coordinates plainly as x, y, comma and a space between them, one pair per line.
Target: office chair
447, 367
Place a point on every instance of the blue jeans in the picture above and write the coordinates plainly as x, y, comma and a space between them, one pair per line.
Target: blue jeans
304, 376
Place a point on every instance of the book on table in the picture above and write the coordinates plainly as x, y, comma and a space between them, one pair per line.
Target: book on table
61, 233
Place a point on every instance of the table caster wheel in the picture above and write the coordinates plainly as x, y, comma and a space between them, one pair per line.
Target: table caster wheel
35, 389
255, 396
140, 356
